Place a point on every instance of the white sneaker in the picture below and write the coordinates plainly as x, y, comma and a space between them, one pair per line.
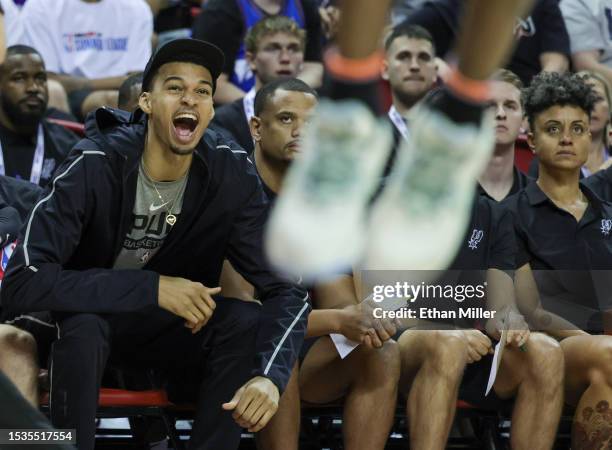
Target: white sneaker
318, 225
421, 217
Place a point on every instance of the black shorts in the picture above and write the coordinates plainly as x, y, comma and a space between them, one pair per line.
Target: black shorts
306, 346
474, 384
42, 326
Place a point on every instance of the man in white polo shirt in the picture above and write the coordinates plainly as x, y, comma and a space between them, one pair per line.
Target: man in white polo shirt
90, 45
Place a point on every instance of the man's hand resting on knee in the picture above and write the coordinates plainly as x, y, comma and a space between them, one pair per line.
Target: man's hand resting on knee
187, 299
254, 404
478, 345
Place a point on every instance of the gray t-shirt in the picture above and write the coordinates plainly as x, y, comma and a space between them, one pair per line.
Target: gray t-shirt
149, 225
589, 24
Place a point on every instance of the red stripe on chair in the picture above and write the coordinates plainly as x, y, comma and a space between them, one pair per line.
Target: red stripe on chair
464, 405
122, 397
77, 127
522, 154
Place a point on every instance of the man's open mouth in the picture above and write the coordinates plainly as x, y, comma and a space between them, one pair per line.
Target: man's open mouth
184, 126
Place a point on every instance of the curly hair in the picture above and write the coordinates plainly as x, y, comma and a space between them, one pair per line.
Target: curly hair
550, 89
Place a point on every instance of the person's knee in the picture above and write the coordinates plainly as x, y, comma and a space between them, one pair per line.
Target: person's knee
446, 353
85, 326
16, 341
383, 363
601, 373
390, 361
545, 357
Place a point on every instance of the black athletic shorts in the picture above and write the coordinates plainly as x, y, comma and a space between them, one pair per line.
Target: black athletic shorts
474, 384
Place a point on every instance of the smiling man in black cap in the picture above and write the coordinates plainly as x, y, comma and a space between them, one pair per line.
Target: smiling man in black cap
125, 248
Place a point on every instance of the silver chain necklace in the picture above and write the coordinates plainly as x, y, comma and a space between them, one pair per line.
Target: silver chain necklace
170, 217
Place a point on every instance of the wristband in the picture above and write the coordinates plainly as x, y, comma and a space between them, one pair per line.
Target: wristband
352, 69
477, 91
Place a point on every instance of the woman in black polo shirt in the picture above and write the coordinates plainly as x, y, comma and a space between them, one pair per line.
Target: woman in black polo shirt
565, 244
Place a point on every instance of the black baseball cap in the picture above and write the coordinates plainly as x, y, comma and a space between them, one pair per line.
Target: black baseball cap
193, 51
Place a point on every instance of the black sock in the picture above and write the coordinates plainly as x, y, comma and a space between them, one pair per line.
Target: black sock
456, 108
368, 92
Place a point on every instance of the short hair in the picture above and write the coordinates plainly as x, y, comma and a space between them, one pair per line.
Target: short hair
273, 25
549, 89
507, 76
286, 84
410, 31
587, 74
22, 50
125, 90
18, 50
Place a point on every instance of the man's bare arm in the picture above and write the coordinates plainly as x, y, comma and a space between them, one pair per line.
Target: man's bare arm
487, 38
312, 74
71, 83
530, 305
554, 62
330, 297
227, 91
589, 60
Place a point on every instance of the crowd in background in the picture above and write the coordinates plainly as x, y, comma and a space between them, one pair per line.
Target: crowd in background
65, 59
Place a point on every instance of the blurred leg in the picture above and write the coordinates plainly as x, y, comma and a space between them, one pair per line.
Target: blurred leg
486, 38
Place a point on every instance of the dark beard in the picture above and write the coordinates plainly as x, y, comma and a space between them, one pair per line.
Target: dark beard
19, 118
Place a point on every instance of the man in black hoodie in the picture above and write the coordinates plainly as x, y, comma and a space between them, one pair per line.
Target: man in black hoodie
18, 355
123, 247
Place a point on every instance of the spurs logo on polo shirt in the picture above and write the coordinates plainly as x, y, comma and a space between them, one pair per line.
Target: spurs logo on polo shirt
475, 239
606, 226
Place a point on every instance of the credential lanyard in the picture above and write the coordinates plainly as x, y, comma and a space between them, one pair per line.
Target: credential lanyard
37, 162
398, 121
248, 103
